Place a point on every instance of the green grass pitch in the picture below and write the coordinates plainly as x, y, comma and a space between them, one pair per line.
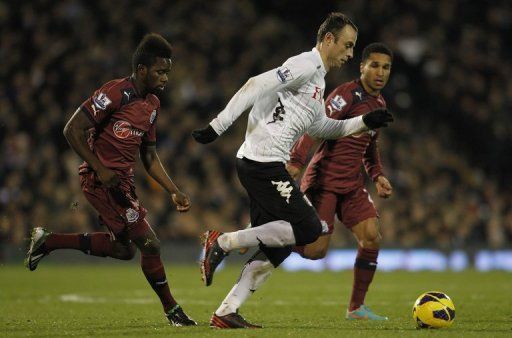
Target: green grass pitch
114, 300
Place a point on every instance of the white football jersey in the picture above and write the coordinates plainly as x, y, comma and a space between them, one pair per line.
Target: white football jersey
286, 103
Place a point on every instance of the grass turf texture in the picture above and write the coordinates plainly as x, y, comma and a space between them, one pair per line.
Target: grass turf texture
115, 300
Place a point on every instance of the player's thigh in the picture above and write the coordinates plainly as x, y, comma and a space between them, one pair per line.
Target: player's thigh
355, 207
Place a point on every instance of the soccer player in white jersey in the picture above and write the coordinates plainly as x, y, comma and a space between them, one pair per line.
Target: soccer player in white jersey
286, 103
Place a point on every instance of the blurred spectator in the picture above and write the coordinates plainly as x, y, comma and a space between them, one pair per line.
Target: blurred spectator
447, 155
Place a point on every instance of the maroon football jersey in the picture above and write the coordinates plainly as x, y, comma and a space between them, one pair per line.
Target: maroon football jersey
122, 122
336, 164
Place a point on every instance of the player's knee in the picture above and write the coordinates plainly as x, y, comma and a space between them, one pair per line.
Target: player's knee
125, 252
372, 238
308, 230
150, 247
259, 272
129, 252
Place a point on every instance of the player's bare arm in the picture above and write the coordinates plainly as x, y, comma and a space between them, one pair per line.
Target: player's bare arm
75, 133
155, 169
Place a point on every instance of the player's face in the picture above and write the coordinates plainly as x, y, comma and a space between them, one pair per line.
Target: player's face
341, 51
158, 75
375, 71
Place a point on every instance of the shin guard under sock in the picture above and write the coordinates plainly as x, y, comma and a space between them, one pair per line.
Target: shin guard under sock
155, 274
364, 269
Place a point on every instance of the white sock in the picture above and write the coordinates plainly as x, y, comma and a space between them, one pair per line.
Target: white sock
252, 277
272, 234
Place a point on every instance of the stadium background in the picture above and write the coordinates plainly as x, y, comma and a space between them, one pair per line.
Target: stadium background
447, 154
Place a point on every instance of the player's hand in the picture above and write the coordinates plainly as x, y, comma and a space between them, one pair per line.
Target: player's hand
384, 188
181, 200
377, 118
293, 171
205, 135
108, 177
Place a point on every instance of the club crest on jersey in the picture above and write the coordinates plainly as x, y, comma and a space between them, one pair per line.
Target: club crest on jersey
123, 129
101, 101
284, 75
131, 215
337, 103
152, 117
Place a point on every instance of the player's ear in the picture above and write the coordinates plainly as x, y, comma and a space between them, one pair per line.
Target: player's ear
329, 37
142, 69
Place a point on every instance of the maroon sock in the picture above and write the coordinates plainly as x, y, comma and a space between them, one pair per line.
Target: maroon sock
62, 241
364, 269
155, 274
95, 244
299, 249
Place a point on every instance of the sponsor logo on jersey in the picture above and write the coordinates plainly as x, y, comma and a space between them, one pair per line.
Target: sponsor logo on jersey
284, 189
101, 101
123, 129
337, 103
284, 75
131, 215
152, 117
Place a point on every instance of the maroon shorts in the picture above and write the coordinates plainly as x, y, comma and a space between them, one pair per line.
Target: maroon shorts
118, 208
351, 208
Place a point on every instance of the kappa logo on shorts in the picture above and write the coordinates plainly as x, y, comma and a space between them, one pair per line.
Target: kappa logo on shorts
131, 215
284, 189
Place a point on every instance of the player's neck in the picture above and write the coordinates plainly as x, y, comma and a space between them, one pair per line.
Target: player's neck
369, 90
139, 86
323, 55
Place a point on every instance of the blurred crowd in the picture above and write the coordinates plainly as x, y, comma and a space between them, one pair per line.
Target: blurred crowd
447, 155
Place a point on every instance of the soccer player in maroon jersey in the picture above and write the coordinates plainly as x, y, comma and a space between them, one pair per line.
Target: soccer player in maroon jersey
333, 181
119, 120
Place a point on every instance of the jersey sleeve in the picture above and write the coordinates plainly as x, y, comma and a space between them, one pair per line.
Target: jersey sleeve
102, 103
300, 151
371, 159
292, 74
327, 128
149, 138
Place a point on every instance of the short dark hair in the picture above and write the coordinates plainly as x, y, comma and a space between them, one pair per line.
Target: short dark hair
334, 22
376, 47
153, 45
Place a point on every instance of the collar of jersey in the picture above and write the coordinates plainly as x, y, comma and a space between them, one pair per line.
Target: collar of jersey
316, 53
